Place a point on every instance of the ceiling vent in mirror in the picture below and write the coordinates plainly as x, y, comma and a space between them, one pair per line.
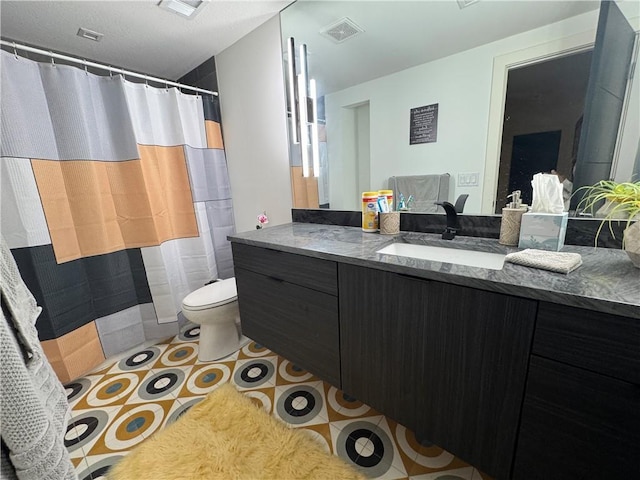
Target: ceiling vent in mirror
342, 30
466, 3
184, 8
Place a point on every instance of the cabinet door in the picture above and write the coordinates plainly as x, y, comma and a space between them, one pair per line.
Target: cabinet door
448, 362
577, 424
296, 322
381, 324
476, 351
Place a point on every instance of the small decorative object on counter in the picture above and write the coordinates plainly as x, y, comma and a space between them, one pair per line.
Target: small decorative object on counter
511, 220
621, 202
262, 220
389, 223
370, 211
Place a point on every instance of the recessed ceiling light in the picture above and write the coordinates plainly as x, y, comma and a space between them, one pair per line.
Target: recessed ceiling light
185, 8
89, 34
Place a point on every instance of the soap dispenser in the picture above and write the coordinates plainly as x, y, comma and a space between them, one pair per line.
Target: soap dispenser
511, 220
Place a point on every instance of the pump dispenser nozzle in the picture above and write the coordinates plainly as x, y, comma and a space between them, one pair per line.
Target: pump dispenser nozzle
516, 201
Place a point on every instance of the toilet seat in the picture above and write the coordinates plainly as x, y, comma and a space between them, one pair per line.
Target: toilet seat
210, 296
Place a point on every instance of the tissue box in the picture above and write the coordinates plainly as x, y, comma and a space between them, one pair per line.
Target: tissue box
543, 231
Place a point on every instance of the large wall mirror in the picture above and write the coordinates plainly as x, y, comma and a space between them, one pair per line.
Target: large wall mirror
496, 73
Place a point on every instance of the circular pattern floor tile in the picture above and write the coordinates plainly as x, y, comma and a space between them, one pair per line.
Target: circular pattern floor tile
133, 426
261, 399
112, 388
410, 446
189, 333
205, 379
345, 404
367, 446
83, 428
99, 469
139, 359
184, 408
254, 349
293, 373
180, 354
77, 389
299, 404
254, 373
161, 384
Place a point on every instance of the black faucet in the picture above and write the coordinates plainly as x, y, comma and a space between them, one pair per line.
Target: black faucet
452, 220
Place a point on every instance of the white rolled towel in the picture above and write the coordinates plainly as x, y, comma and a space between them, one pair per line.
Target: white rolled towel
561, 262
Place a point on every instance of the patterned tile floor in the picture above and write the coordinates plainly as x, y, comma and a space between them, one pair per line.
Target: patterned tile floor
127, 399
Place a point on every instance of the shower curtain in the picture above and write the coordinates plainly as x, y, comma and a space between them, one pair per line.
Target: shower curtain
115, 202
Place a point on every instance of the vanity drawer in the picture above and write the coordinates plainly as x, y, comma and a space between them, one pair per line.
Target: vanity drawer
298, 323
600, 342
314, 273
577, 424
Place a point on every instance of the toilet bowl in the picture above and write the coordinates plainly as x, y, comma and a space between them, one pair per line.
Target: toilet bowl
215, 308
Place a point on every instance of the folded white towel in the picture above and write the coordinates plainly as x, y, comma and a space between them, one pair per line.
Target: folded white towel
562, 262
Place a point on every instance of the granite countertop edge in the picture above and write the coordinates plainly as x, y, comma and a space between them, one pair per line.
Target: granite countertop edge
606, 282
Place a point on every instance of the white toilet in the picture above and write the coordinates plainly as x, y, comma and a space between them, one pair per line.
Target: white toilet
215, 308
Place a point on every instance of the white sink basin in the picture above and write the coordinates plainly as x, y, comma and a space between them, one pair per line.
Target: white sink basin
471, 258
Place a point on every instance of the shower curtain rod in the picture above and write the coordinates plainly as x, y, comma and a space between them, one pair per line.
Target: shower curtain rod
86, 63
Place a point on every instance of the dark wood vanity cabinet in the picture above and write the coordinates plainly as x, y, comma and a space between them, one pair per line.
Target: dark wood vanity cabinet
581, 412
518, 388
289, 303
446, 361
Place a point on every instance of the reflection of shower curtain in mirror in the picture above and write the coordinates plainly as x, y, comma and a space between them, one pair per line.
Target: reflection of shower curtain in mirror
115, 203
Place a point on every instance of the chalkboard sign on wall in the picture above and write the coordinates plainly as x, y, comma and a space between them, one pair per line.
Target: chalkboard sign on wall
423, 124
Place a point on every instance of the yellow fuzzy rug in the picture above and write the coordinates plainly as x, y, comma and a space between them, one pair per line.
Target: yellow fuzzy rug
227, 436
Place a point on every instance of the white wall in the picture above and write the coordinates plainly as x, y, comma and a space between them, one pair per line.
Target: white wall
252, 104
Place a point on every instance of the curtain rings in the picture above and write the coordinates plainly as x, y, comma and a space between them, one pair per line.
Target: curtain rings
110, 72
15, 50
53, 63
166, 85
86, 71
146, 81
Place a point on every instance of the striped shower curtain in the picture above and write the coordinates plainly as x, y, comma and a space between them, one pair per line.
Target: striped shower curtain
115, 202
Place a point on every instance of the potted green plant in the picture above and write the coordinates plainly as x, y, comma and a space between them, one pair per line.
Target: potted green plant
610, 201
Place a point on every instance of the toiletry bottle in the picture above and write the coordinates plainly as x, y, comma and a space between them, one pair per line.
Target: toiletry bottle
511, 220
370, 211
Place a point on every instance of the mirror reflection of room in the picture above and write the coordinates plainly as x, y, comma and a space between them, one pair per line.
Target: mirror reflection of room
367, 85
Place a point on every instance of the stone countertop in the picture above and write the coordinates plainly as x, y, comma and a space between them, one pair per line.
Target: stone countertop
607, 281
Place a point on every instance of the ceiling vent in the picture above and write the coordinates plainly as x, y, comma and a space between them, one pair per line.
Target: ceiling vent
89, 34
466, 3
341, 30
184, 8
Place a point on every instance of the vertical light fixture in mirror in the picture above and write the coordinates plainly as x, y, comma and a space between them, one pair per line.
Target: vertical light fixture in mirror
303, 128
291, 77
304, 109
315, 143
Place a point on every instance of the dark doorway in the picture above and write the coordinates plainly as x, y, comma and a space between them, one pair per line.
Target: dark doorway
543, 98
531, 154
